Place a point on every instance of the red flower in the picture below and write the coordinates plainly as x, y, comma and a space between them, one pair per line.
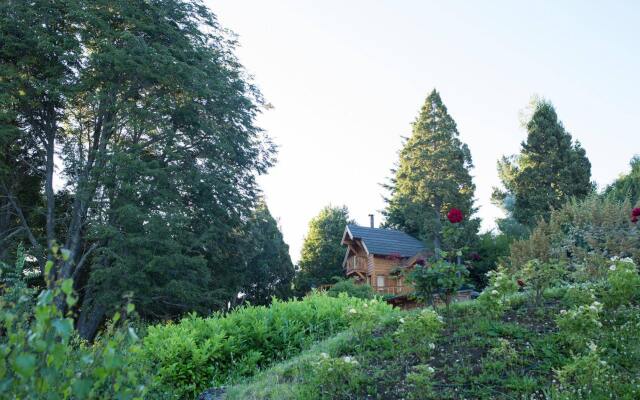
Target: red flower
635, 212
634, 219
455, 216
520, 282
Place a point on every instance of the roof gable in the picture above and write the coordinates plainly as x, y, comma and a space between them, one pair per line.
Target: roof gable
385, 242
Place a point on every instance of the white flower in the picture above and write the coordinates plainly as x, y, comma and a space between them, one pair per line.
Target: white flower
365, 305
593, 346
612, 268
431, 370
324, 355
401, 320
614, 258
494, 292
352, 311
349, 360
627, 260
432, 346
440, 318
563, 311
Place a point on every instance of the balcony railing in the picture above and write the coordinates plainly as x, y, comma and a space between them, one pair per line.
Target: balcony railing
356, 264
395, 290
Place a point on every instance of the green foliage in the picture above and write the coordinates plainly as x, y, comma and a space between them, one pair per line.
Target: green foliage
626, 187
322, 254
604, 341
348, 286
357, 366
199, 352
584, 234
540, 276
622, 283
549, 170
432, 177
495, 297
269, 270
492, 249
42, 358
441, 278
147, 113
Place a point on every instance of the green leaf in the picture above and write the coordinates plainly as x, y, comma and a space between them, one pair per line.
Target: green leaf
25, 364
67, 286
63, 327
47, 267
130, 308
66, 253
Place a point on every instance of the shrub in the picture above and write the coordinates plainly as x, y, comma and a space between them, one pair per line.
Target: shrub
442, 278
623, 283
539, 276
494, 298
42, 358
418, 332
348, 286
333, 378
199, 352
579, 231
580, 325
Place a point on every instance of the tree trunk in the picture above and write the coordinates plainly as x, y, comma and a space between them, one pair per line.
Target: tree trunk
91, 316
437, 232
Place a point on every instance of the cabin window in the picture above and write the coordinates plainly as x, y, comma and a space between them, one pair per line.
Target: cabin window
380, 281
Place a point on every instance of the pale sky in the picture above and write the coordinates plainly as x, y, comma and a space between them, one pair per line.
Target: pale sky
346, 79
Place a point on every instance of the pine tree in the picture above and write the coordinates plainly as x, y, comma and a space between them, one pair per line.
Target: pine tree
549, 170
431, 178
322, 253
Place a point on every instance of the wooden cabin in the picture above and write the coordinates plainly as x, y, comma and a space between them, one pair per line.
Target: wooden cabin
379, 256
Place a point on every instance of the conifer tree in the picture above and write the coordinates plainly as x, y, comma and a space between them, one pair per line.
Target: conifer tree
431, 178
549, 170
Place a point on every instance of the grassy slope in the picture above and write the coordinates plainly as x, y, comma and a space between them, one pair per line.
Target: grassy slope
474, 357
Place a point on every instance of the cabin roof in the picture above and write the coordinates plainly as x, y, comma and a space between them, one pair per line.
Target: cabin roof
385, 242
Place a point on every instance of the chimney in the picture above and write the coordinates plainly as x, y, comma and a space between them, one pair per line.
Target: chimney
371, 221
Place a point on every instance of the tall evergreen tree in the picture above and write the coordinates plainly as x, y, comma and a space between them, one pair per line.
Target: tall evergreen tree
269, 268
431, 178
322, 253
627, 186
549, 170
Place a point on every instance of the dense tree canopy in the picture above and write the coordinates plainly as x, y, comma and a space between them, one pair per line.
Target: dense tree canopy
269, 267
322, 253
143, 112
627, 186
549, 170
432, 178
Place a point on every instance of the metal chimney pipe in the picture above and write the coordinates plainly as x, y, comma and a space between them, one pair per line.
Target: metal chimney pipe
371, 220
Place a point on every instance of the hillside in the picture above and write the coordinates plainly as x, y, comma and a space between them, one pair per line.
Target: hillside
580, 342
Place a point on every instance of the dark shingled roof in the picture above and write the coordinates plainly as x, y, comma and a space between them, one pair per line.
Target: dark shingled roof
387, 242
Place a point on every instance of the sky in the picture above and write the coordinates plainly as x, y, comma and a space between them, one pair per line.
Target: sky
347, 78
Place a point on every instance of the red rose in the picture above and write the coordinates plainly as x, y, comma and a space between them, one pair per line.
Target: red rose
635, 212
455, 216
520, 282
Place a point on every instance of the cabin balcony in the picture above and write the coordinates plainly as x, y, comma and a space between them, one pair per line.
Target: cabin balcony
356, 264
393, 290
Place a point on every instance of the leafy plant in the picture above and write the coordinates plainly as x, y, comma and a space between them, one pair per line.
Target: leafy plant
42, 358
197, 352
441, 278
539, 276
348, 286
